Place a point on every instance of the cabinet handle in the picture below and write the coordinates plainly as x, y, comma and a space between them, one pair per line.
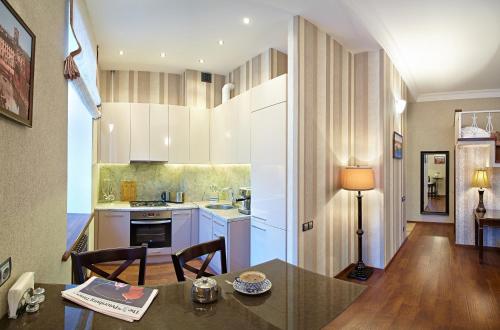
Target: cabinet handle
220, 224
253, 216
152, 222
258, 228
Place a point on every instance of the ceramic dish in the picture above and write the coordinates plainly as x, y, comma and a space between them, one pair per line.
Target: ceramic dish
252, 290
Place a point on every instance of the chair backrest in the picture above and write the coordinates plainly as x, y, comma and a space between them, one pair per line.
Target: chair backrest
180, 258
91, 258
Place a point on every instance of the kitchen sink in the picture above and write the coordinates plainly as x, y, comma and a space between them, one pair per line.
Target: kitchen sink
220, 206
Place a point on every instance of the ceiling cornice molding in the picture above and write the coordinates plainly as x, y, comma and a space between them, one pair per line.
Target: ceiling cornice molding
381, 34
459, 95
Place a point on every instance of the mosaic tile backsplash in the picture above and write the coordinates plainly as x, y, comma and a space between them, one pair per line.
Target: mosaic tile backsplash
193, 180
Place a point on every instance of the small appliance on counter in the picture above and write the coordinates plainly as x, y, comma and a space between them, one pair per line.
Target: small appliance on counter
244, 200
173, 197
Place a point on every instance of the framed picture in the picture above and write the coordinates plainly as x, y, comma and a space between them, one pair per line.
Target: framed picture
17, 64
397, 146
439, 159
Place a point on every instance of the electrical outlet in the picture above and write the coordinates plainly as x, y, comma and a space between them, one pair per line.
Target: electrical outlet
5, 270
307, 226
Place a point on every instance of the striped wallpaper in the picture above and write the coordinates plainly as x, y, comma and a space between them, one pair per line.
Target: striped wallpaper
261, 68
140, 87
345, 117
159, 87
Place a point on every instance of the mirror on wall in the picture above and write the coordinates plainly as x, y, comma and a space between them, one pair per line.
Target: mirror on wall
434, 182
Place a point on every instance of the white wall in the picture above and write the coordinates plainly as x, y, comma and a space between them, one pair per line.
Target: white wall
79, 155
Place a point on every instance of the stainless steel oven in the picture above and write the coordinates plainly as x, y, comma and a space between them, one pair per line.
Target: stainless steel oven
151, 227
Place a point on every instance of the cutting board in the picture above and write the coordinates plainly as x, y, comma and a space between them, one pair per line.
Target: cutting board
128, 191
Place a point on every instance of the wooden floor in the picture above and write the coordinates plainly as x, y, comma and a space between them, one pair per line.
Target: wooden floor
430, 284
436, 204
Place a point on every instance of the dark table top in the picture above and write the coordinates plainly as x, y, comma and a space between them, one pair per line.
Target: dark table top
299, 299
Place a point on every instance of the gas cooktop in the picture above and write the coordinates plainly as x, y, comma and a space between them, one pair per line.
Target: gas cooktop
147, 203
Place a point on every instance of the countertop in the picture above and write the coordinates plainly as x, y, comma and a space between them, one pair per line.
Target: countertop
299, 299
77, 223
228, 215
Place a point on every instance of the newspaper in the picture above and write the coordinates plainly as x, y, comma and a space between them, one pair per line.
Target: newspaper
123, 301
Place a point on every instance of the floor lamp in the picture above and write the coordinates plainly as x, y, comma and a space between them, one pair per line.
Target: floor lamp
359, 179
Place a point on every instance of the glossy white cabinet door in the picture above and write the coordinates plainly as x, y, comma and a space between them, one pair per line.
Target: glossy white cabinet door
220, 229
268, 170
181, 230
269, 93
199, 136
266, 243
139, 131
115, 133
178, 129
242, 129
158, 133
218, 135
113, 229
205, 233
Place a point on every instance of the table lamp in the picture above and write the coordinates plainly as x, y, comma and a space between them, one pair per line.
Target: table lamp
359, 179
480, 180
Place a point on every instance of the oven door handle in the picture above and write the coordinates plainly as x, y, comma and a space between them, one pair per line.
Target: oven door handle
150, 222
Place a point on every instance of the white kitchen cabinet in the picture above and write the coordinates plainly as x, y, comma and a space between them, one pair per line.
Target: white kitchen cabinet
181, 230
158, 133
237, 237
139, 132
242, 129
268, 165
267, 242
218, 134
199, 136
195, 220
113, 229
205, 226
178, 131
271, 92
114, 134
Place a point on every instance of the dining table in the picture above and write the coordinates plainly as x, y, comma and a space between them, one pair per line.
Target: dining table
298, 299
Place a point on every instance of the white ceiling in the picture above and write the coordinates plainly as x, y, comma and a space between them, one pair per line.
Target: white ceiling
186, 30
441, 47
444, 49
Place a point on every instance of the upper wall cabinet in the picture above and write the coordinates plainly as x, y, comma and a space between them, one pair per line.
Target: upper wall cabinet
178, 129
114, 134
139, 132
158, 133
269, 93
230, 131
199, 136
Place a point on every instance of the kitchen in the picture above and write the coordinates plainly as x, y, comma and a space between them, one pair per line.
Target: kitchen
190, 175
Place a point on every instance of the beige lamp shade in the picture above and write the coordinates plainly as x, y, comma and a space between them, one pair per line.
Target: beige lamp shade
357, 178
480, 179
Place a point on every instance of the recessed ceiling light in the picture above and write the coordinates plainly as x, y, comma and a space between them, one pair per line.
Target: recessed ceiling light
121, 52
221, 42
246, 20
201, 60
163, 54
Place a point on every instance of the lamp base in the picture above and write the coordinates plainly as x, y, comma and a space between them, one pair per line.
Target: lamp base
480, 207
361, 272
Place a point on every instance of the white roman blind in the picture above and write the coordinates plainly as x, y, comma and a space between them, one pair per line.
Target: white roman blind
80, 66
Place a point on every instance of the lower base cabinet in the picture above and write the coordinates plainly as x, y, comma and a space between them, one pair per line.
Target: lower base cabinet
268, 243
237, 237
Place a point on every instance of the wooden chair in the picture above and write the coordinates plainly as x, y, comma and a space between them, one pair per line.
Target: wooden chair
91, 258
180, 258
